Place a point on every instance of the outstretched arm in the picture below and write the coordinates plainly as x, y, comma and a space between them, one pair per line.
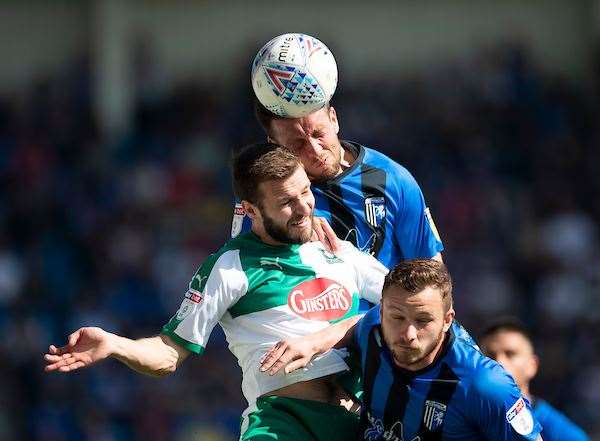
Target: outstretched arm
296, 353
155, 356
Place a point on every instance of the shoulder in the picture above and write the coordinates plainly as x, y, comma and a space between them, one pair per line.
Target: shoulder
556, 424
490, 380
376, 159
481, 375
224, 265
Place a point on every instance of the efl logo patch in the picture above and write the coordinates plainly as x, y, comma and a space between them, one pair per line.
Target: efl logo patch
320, 299
433, 417
520, 417
375, 211
194, 296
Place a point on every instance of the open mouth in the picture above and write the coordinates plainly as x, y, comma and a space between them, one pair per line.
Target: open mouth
300, 223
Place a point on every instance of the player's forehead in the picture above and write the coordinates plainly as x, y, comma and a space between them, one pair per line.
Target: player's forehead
295, 127
291, 186
506, 339
429, 300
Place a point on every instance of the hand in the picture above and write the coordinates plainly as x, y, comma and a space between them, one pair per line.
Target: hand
293, 354
85, 347
323, 232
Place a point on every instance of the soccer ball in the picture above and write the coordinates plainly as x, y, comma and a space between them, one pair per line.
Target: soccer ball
294, 75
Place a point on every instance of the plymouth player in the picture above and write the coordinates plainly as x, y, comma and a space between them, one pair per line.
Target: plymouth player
261, 287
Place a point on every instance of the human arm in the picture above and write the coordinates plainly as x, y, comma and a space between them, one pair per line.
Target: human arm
296, 353
414, 229
497, 408
155, 356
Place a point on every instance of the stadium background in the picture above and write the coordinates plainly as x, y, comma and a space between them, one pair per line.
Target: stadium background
117, 119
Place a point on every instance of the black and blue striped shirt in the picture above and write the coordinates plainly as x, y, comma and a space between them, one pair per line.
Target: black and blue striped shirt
462, 395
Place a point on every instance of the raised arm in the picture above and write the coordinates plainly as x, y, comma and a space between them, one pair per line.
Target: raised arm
155, 356
296, 353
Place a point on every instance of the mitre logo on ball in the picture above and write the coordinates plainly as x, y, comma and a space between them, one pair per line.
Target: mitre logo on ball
294, 75
320, 299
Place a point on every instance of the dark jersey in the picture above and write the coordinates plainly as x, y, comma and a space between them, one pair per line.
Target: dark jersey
557, 427
463, 395
377, 205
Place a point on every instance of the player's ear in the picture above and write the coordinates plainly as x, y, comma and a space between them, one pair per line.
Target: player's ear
250, 209
448, 318
334, 120
532, 366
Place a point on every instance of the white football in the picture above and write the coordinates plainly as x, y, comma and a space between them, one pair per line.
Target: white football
294, 75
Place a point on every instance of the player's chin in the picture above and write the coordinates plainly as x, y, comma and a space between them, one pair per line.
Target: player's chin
300, 233
302, 236
406, 356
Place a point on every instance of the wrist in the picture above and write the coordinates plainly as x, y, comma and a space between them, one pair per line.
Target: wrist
115, 345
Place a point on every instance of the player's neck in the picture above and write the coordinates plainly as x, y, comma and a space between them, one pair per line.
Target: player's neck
346, 159
525, 391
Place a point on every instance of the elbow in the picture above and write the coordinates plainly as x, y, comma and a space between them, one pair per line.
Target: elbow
167, 369
168, 364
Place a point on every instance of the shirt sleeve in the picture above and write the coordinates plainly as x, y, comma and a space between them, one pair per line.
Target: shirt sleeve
369, 272
215, 287
415, 231
498, 409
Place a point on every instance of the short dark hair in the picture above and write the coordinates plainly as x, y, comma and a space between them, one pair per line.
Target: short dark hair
265, 117
505, 324
260, 162
414, 275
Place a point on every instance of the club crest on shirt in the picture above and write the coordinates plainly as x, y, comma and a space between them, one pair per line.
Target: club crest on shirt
434, 414
375, 211
330, 257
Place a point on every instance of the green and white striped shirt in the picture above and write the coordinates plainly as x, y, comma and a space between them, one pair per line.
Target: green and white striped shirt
261, 294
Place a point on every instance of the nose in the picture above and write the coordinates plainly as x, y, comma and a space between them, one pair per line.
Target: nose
409, 334
303, 207
313, 147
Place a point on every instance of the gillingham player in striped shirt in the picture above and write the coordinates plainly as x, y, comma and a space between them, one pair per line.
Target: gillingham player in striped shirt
263, 286
367, 198
421, 381
508, 342
361, 195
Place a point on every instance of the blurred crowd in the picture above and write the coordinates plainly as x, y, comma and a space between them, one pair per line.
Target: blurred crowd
108, 232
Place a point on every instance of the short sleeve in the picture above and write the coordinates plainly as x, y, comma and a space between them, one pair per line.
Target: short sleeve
415, 231
215, 287
498, 409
